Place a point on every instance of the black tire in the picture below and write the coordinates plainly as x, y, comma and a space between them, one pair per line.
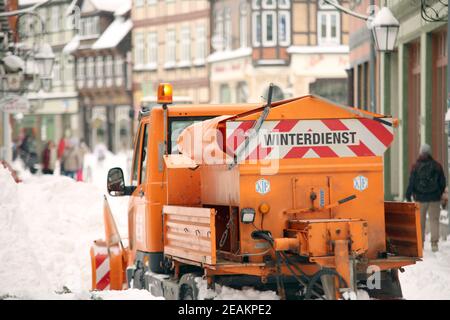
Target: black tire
187, 292
390, 287
188, 289
138, 279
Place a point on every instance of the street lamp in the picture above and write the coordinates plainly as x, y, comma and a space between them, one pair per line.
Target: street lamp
385, 30
45, 58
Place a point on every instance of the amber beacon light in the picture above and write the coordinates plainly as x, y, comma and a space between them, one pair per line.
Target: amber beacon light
165, 92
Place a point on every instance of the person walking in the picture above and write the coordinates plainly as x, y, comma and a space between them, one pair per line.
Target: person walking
49, 158
426, 185
70, 160
83, 149
61, 149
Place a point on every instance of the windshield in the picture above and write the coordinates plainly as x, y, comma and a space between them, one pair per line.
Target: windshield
176, 127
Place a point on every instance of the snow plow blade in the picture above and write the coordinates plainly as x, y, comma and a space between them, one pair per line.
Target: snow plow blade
108, 258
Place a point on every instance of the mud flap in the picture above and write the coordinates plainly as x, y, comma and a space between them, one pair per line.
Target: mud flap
403, 229
101, 279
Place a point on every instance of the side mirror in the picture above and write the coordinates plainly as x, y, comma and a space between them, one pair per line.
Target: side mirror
116, 182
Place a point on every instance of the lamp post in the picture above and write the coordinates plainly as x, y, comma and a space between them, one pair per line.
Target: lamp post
384, 29
19, 70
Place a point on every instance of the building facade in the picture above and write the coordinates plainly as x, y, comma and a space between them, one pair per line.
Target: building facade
414, 89
170, 44
54, 113
102, 50
298, 45
410, 85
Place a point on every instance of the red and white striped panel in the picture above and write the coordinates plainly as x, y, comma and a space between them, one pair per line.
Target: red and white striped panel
327, 138
102, 271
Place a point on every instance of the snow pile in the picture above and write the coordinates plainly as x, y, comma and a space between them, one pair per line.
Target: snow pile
428, 279
130, 294
47, 225
226, 293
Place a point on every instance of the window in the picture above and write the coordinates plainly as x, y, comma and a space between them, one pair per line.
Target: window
257, 34
90, 69
271, 23
171, 47
95, 26
242, 92
134, 176
152, 50
269, 4
118, 67
144, 155
68, 69
218, 41
200, 51
225, 93
90, 26
139, 3
55, 18
284, 4
80, 69
256, 4
118, 70
228, 30
328, 27
140, 50
151, 2
269, 30
99, 70
185, 46
57, 71
284, 28
243, 25
109, 70
177, 126
109, 67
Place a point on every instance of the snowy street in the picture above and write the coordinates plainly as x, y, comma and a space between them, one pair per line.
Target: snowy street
47, 224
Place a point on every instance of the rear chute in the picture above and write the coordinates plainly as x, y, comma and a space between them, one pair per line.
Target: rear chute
109, 256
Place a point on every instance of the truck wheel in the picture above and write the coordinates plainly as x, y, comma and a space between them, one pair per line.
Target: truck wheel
138, 277
389, 287
188, 287
186, 292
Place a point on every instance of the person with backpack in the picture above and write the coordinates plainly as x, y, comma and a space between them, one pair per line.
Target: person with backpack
426, 185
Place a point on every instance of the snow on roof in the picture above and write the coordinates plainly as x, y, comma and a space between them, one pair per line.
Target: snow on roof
113, 34
108, 5
72, 45
123, 9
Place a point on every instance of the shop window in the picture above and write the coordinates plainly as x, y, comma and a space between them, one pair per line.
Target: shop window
242, 92
331, 89
225, 93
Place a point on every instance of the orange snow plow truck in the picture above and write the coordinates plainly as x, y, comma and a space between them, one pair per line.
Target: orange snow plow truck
285, 196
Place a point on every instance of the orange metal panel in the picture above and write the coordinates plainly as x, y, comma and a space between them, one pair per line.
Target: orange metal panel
403, 229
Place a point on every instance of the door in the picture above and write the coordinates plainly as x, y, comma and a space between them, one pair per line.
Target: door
138, 202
